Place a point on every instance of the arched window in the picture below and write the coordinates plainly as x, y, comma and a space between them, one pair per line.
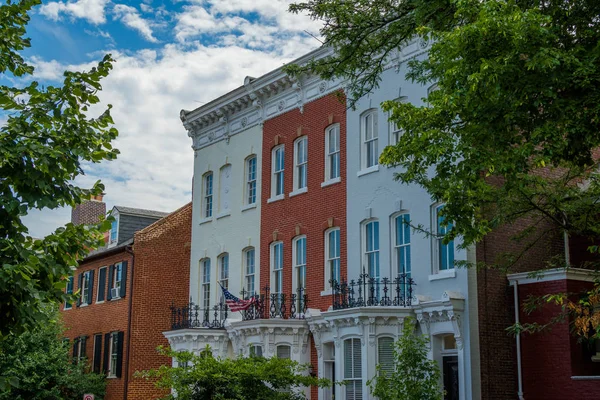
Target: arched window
250, 189
401, 244
301, 163
276, 257
332, 256
249, 270
207, 195
369, 137
299, 268
371, 248
332, 152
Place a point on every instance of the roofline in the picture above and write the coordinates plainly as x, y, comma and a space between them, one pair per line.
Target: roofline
250, 86
108, 252
140, 214
555, 274
161, 221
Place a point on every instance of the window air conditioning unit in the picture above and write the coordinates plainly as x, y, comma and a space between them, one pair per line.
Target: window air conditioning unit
114, 293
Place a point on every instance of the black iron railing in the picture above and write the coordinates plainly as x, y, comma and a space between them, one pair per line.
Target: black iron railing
275, 305
193, 316
369, 291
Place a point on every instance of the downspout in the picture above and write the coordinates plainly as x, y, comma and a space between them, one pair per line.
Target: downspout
515, 285
129, 250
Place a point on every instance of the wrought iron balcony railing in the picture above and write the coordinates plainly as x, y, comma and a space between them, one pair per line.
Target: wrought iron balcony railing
369, 291
275, 305
193, 316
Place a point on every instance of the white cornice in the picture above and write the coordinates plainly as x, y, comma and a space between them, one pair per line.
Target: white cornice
556, 274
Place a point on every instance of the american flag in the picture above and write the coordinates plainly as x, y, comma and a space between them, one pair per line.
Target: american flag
234, 303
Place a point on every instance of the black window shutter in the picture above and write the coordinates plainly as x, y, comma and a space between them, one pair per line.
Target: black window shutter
106, 352
83, 352
101, 284
80, 281
91, 287
123, 278
119, 354
75, 343
97, 352
111, 272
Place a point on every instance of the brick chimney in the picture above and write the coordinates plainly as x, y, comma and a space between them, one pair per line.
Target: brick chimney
89, 212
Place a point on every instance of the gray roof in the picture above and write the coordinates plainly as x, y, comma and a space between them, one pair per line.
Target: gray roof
141, 212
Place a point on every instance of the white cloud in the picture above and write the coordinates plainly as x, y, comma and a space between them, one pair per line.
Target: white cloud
131, 18
91, 10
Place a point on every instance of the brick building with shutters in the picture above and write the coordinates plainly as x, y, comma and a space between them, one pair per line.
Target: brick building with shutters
103, 326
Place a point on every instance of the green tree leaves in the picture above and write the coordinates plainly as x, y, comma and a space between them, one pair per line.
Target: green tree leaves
47, 138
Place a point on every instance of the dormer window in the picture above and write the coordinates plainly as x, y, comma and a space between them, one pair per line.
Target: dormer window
114, 230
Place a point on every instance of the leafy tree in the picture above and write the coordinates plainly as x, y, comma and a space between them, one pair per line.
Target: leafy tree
415, 376
39, 367
513, 130
203, 377
47, 136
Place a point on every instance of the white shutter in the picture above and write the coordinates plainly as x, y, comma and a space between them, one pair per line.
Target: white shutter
385, 354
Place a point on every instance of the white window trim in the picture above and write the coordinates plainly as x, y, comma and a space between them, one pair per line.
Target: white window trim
295, 266
202, 296
395, 267
392, 125
247, 181
274, 196
363, 139
289, 347
367, 171
272, 266
205, 197
220, 272
363, 249
327, 180
84, 283
245, 269
113, 337
297, 165
436, 272
98, 285
344, 378
113, 284
112, 243
298, 191
327, 274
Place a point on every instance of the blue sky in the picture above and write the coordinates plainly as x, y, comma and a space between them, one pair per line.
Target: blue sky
169, 55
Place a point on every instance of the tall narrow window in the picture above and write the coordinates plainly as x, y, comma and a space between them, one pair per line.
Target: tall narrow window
332, 256
402, 244
114, 228
250, 271
224, 271
114, 354
86, 284
208, 195
300, 270
300, 163
224, 188
395, 131
445, 252
205, 266
278, 172
372, 248
332, 152
277, 270
69, 291
353, 369
369, 137
385, 354
251, 180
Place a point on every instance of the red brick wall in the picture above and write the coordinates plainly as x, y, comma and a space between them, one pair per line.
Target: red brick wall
308, 213
495, 305
162, 274
550, 358
101, 318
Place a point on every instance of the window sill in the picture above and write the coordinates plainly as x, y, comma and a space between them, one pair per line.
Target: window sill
447, 274
331, 182
99, 302
205, 220
298, 191
115, 298
83, 305
326, 292
67, 309
276, 198
586, 378
111, 377
249, 207
367, 171
224, 214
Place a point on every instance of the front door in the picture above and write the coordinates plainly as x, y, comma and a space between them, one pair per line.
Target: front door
450, 371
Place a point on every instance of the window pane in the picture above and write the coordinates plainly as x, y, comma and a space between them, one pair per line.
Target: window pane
385, 353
